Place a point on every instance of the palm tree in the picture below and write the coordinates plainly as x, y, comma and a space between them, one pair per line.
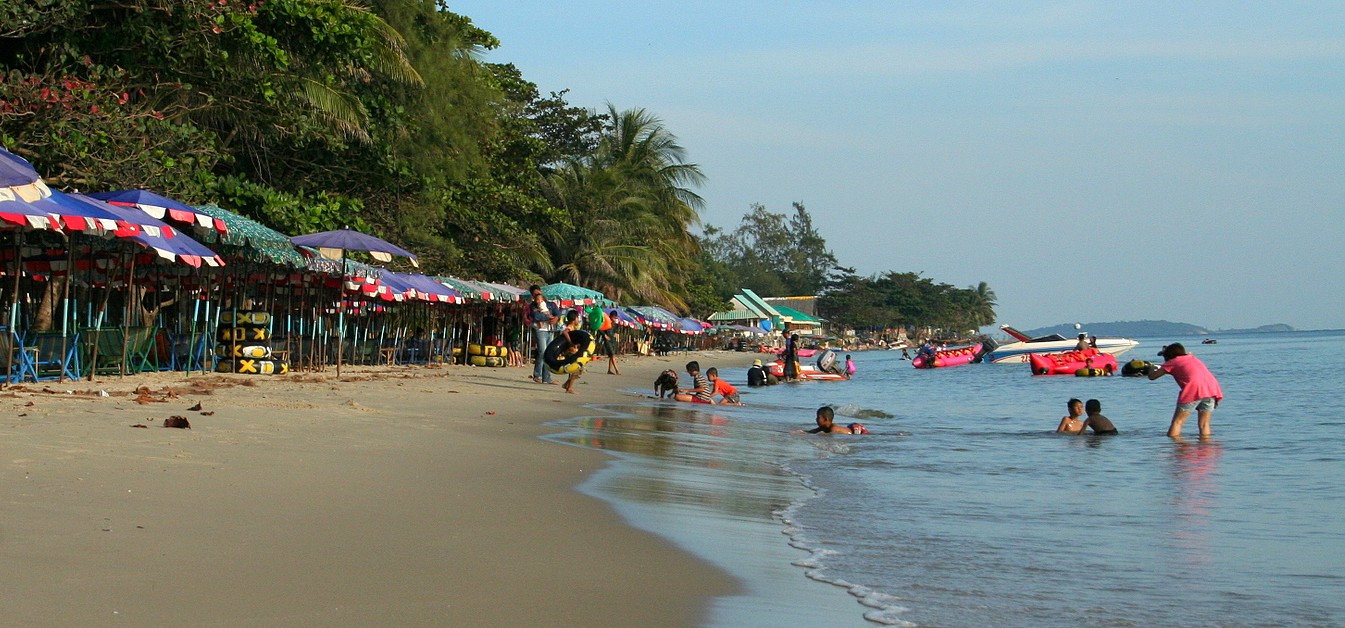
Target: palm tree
982, 304
630, 207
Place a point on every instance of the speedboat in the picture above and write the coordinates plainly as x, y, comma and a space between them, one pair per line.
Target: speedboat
1017, 352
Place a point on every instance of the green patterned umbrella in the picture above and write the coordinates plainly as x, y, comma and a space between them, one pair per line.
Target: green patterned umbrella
253, 240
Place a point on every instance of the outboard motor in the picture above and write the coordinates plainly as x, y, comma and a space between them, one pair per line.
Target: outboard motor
987, 345
826, 361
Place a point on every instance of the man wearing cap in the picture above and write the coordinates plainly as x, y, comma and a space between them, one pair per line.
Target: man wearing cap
756, 376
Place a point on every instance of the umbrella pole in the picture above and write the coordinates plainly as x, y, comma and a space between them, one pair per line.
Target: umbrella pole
126, 315
65, 307
14, 308
98, 324
340, 314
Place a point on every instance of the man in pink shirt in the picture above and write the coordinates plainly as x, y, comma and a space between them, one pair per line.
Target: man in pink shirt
1200, 391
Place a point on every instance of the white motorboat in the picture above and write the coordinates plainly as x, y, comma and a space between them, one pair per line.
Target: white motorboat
1017, 352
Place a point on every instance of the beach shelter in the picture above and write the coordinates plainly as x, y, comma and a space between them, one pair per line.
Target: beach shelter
570, 295
333, 245
655, 317
19, 177
688, 325
623, 318
252, 240
162, 208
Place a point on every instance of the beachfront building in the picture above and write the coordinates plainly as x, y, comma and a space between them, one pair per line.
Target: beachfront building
799, 314
750, 310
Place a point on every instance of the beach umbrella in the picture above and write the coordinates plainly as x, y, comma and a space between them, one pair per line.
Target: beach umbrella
690, 326
19, 176
571, 295
655, 317
253, 240
337, 243
623, 318
466, 289
519, 294
162, 208
343, 240
21, 213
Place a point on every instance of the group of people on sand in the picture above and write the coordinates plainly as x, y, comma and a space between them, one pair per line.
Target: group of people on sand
705, 387
1199, 393
549, 325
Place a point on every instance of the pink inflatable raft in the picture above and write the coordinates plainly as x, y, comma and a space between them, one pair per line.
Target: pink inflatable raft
950, 357
1086, 363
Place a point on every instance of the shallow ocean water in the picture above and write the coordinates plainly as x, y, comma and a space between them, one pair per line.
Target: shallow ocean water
964, 509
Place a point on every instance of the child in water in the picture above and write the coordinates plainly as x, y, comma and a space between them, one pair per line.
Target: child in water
728, 394
1095, 420
825, 425
1073, 422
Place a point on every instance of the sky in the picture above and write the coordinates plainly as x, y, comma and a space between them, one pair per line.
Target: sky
1090, 161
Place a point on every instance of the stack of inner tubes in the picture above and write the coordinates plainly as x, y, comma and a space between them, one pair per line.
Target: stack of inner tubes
243, 339
487, 355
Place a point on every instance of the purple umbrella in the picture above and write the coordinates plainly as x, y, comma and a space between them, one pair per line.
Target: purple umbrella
343, 240
15, 170
351, 240
161, 207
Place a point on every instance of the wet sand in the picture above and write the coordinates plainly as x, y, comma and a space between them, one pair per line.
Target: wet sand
397, 495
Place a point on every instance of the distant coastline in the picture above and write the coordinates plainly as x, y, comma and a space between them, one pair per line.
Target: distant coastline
1151, 328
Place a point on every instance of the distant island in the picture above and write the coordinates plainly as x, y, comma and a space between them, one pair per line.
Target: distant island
1131, 329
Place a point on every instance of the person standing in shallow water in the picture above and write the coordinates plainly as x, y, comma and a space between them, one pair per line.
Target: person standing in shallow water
791, 358
1200, 391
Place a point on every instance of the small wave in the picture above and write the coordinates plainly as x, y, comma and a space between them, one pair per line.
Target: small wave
857, 412
883, 607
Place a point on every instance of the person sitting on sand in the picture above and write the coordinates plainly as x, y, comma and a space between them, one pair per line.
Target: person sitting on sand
1073, 422
701, 391
1095, 420
726, 391
825, 424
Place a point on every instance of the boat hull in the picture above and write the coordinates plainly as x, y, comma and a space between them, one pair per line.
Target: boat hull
1018, 352
806, 371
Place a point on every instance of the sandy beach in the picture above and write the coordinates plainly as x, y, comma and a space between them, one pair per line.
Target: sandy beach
398, 495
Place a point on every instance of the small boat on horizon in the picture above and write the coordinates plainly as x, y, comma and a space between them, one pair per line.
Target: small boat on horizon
1017, 352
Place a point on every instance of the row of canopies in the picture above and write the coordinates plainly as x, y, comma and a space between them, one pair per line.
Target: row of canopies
208, 236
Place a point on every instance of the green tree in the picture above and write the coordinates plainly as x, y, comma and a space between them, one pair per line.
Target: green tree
630, 207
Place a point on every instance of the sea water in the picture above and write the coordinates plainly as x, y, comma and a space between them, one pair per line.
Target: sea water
963, 508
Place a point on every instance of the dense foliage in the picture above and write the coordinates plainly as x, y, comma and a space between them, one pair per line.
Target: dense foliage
382, 116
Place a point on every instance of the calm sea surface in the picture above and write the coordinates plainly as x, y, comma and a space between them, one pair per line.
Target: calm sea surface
965, 509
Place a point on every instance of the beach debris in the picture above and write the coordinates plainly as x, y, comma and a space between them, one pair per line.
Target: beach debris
490, 412
211, 413
29, 404
103, 393
177, 421
194, 408
141, 425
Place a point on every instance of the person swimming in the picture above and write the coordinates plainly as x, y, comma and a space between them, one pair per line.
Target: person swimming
826, 424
